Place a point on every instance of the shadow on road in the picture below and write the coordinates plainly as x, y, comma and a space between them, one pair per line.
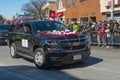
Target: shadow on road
24, 72
32, 73
89, 62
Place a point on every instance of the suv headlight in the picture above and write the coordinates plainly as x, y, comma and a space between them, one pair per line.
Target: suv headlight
51, 42
52, 45
6, 34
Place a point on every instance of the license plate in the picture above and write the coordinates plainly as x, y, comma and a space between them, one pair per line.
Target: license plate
77, 57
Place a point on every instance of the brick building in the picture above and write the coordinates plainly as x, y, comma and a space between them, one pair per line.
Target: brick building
82, 10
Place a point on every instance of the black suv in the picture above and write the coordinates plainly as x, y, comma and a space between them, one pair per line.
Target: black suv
4, 28
48, 43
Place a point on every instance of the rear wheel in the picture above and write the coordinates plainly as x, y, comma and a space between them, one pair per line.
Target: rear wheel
39, 58
13, 51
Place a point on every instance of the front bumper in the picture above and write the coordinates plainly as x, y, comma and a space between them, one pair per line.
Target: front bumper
59, 59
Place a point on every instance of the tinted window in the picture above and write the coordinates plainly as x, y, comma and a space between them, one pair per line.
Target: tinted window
27, 28
48, 26
19, 28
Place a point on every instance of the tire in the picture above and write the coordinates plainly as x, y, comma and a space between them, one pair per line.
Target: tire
13, 51
39, 58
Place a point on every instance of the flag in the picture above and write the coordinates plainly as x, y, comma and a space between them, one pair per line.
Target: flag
18, 21
53, 15
60, 14
57, 17
17, 14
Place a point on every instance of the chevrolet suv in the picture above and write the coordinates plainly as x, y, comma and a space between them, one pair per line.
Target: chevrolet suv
48, 43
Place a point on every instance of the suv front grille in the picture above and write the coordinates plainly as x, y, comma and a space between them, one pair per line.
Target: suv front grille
73, 44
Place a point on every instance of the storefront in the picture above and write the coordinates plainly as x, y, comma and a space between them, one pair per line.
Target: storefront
107, 9
60, 11
116, 17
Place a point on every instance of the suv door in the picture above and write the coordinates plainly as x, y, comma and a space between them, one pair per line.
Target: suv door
28, 39
18, 37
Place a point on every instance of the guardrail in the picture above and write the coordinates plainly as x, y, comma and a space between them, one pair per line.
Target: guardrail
94, 34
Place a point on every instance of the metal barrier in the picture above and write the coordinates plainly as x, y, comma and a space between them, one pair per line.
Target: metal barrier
93, 35
117, 38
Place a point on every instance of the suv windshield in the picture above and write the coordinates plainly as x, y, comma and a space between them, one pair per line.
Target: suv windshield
4, 27
48, 26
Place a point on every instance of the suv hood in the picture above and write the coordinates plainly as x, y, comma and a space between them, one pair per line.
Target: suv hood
58, 36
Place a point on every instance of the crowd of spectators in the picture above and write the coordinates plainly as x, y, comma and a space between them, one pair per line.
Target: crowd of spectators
107, 32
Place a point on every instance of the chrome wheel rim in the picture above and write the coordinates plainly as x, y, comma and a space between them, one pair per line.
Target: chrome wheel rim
12, 51
39, 58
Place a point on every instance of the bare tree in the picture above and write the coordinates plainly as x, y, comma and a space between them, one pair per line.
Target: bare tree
34, 7
45, 12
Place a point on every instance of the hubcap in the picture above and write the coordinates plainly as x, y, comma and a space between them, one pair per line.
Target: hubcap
12, 51
39, 58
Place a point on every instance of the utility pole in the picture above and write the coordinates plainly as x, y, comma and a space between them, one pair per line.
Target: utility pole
112, 9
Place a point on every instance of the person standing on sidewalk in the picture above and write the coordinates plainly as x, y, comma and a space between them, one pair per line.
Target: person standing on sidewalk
98, 27
76, 27
108, 36
102, 34
112, 26
116, 31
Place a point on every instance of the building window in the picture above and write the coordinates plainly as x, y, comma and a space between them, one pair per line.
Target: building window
109, 2
74, 19
82, 0
84, 20
74, 1
69, 2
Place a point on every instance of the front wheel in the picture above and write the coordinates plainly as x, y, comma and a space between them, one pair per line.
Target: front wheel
13, 51
39, 58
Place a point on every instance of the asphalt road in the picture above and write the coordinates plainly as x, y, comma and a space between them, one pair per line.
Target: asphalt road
103, 64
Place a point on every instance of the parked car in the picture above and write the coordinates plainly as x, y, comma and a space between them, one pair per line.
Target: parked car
48, 43
4, 28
